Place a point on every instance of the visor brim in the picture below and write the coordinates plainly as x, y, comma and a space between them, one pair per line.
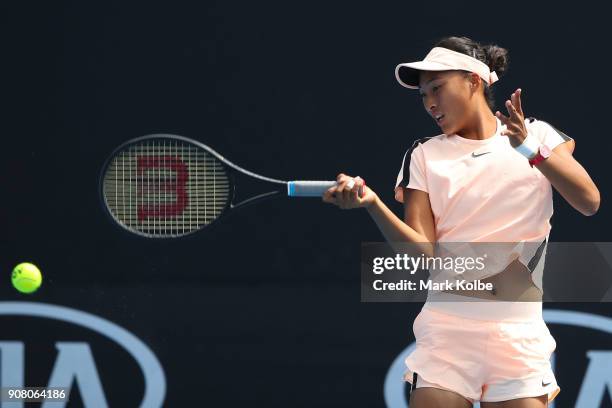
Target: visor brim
407, 74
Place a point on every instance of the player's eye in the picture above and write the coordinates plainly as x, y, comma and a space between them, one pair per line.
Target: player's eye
434, 89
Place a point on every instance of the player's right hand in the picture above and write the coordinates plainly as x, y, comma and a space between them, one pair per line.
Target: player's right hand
345, 194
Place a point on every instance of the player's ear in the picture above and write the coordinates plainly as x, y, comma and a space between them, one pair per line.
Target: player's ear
474, 81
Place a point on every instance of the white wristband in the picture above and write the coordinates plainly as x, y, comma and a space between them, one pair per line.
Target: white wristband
530, 146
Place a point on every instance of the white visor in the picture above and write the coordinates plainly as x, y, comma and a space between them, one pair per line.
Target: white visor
442, 59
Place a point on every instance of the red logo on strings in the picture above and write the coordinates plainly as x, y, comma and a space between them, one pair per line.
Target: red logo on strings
174, 186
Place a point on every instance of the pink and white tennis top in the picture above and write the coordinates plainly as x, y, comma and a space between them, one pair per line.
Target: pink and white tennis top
484, 190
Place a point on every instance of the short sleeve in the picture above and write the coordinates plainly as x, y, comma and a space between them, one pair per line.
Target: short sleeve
549, 135
415, 176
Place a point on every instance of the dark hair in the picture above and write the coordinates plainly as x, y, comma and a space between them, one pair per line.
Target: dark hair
492, 55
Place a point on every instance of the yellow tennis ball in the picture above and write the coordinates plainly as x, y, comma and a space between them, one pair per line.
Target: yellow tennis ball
26, 277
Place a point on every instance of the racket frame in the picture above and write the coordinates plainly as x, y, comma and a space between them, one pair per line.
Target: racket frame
229, 167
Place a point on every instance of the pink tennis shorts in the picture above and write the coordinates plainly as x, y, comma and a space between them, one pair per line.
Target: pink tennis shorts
486, 359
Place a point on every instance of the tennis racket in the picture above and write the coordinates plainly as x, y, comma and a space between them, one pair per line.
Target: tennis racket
168, 186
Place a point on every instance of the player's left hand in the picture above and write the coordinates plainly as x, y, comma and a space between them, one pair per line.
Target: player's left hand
515, 123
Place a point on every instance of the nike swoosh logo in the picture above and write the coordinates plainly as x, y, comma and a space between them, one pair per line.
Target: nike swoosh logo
544, 385
480, 154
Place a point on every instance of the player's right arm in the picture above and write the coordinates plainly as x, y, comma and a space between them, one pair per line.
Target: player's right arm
417, 227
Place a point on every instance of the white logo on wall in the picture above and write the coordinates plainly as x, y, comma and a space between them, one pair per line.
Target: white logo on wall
75, 362
596, 379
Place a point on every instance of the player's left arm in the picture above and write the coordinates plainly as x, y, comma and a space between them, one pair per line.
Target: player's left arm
570, 179
565, 174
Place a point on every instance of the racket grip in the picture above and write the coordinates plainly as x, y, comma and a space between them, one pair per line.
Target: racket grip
308, 188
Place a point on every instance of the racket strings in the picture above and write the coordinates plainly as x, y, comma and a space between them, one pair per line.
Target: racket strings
165, 188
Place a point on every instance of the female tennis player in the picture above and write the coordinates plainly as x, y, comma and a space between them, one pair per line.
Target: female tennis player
487, 178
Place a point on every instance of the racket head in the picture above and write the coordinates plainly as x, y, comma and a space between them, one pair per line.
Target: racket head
165, 186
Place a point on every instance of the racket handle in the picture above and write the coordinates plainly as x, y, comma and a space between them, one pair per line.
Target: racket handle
308, 188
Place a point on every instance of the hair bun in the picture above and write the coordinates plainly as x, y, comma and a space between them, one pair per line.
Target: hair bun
497, 58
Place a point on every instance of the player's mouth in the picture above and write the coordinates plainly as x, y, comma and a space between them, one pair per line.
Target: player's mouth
439, 119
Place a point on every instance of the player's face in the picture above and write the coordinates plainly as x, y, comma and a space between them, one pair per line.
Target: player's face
446, 94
